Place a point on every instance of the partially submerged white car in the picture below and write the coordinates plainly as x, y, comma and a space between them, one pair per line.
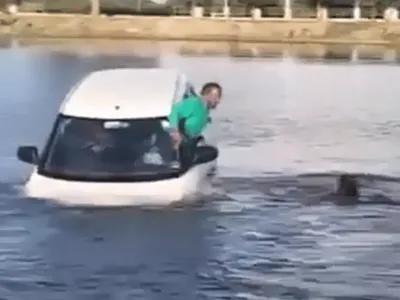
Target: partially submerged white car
109, 142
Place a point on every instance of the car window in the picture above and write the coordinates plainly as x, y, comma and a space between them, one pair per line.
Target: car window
92, 147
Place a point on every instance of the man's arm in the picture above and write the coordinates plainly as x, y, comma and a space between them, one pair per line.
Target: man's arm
173, 120
174, 116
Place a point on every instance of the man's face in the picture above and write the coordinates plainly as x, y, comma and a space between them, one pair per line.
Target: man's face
213, 98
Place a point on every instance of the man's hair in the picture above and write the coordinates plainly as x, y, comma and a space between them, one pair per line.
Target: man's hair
209, 86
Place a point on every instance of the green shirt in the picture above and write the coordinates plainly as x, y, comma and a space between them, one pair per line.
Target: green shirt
194, 110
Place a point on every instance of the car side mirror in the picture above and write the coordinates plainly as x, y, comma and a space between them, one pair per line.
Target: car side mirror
28, 154
205, 154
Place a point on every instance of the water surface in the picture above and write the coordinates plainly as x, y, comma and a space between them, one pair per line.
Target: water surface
284, 116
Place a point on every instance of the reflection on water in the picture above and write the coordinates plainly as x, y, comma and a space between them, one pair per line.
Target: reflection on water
285, 114
307, 52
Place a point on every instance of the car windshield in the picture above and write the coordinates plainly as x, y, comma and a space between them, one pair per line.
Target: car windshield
93, 148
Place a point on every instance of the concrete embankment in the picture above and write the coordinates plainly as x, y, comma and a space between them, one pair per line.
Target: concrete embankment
201, 29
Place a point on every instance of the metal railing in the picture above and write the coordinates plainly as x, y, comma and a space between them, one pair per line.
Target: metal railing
287, 9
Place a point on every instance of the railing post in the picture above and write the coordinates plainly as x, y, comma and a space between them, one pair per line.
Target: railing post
356, 10
391, 14
197, 12
12, 9
95, 7
226, 11
288, 10
256, 13
322, 12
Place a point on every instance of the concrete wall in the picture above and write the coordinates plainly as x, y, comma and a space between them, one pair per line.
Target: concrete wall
202, 29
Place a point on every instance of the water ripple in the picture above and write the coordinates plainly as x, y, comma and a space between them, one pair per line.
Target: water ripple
285, 129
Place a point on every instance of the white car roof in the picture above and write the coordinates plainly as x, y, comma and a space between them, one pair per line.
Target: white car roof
123, 94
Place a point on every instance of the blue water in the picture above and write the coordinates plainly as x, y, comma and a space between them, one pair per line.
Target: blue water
282, 118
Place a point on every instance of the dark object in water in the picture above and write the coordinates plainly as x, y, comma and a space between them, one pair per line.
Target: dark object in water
347, 186
347, 193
